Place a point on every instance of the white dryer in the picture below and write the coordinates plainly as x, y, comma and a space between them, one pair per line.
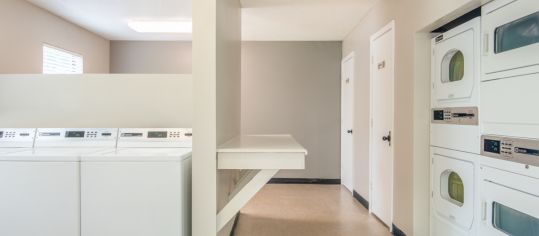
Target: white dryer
41, 187
143, 188
509, 186
455, 88
456, 66
509, 87
455, 132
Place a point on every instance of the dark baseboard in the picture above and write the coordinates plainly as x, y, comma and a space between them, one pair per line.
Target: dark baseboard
397, 231
303, 181
361, 200
236, 220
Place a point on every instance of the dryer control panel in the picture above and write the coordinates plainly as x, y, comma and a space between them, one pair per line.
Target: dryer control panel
156, 137
17, 138
455, 116
524, 151
77, 137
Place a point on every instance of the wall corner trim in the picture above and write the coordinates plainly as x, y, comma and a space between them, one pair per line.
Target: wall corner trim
361, 200
236, 220
397, 231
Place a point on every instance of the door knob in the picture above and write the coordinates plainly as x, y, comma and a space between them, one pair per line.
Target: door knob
349, 131
387, 138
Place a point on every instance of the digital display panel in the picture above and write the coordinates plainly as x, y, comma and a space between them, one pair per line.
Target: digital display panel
75, 134
527, 151
492, 146
438, 115
1, 134
157, 134
131, 134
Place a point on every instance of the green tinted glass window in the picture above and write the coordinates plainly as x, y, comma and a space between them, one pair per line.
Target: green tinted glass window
513, 222
453, 67
455, 188
517, 34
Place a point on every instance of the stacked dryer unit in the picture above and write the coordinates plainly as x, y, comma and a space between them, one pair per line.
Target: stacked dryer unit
455, 131
509, 177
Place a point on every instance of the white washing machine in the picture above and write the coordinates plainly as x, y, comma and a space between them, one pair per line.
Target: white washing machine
455, 88
143, 188
509, 186
41, 187
455, 132
16, 140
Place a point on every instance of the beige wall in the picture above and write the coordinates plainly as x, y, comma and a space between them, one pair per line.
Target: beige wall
413, 18
150, 57
217, 78
150, 101
24, 28
294, 88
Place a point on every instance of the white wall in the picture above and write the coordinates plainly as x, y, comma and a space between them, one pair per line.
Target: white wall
413, 19
295, 88
148, 101
24, 28
150, 57
217, 74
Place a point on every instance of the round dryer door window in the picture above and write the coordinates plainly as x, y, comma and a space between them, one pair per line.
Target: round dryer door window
455, 188
453, 67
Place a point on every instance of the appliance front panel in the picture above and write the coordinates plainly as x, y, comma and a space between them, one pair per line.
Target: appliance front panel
453, 190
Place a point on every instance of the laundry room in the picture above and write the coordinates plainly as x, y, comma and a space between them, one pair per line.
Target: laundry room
269, 117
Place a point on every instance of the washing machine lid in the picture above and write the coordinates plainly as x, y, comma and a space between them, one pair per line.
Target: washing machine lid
141, 154
51, 154
456, 63
458, 211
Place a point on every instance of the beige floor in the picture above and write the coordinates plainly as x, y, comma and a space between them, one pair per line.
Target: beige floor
310, 210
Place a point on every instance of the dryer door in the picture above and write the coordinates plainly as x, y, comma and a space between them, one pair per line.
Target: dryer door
509, 203
453, 190
508, 211
454, 67
510, 38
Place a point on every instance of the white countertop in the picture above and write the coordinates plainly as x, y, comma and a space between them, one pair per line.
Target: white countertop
262, 144
261, 152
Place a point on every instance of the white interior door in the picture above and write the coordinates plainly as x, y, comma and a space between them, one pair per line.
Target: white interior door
347, 108
382, 115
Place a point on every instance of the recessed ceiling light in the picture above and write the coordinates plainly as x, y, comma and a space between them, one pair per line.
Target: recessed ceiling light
147, 26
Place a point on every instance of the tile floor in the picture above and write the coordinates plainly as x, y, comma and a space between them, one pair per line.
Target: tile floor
306, 210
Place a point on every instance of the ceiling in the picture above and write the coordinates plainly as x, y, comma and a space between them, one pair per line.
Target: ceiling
109, 18
301, 20
263, 20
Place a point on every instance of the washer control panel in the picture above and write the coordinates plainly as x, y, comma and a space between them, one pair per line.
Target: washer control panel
14, 137
77, 137
155, 137
455, 116
524, 151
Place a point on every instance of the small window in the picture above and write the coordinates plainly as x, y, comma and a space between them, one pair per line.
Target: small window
59, 61
455, 188
517, 34
453, 67
513, 222
452, 188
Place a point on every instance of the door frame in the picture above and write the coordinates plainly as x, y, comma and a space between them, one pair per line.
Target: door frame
350, 56
389, 27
